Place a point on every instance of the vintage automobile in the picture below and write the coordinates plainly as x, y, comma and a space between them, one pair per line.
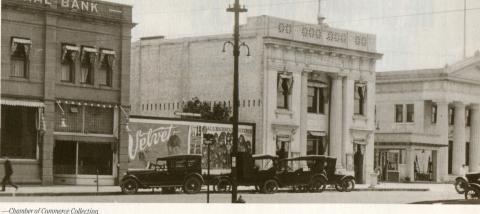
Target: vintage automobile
304, 173
253, 170
168, 173
472, 190
342, 183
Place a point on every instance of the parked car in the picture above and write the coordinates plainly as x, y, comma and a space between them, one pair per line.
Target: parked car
253, 170
168, 173
304, 173
472, 190
342, 183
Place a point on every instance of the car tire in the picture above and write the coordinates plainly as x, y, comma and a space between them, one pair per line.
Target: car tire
270, 186
130, 186
318, 184
192, 185
349, 185
472, 193
223, 185
460, 186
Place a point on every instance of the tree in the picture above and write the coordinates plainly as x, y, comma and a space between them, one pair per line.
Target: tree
219, 112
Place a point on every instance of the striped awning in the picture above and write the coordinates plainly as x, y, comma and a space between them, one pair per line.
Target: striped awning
25, 103
87, 103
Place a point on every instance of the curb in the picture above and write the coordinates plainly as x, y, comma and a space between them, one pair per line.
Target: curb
203, 192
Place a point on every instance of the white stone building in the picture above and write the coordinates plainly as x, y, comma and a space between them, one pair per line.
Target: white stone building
308, 88
428, 122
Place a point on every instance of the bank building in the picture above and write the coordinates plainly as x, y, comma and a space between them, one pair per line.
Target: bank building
308, 88
65, 90
428, 122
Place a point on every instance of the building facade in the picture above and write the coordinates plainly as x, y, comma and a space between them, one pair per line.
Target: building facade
308, 88
428, 122
65, 90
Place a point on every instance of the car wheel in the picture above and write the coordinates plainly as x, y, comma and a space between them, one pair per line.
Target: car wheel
270, 186
129, 186
349, 185
339, 186
192, 185
318, 184
460, 186
223, 185
472, 193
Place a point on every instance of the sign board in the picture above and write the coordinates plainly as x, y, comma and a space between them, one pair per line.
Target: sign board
150, 138
77, 6
317, 34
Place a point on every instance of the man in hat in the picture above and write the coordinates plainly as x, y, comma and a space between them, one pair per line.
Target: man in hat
8, 173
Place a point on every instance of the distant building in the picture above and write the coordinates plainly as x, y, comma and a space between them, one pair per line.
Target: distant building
308, 88
64, 83
428, 122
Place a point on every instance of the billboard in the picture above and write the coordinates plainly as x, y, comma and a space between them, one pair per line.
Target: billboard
150, 138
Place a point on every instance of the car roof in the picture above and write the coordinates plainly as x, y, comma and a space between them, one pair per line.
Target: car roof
264, 156
191, 156
310, 157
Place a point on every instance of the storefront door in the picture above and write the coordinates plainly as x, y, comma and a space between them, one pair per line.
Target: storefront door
358, 163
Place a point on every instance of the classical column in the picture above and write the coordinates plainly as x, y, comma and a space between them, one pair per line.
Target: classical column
442, 130
347, 115
459, 143
303, 113
336, 119
474, 164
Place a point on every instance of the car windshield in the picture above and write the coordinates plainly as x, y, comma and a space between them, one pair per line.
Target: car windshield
264, 164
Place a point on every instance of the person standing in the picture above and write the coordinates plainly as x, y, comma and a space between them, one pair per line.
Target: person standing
8, 173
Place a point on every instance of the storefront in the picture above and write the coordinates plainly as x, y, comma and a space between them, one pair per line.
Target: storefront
85, 143
65, 77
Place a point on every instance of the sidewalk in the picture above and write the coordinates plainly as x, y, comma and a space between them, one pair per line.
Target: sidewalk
115, 190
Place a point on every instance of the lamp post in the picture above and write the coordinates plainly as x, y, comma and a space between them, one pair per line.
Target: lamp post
208, 140
236, 9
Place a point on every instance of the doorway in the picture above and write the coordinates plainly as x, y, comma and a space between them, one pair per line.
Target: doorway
358, 163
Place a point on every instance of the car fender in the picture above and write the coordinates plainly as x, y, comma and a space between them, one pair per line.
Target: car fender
132, 177
461, 179
194, 175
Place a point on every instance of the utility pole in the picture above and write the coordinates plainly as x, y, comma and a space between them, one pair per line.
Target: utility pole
236, 9
464, 29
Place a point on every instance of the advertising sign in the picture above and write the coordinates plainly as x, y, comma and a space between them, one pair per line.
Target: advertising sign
150, 138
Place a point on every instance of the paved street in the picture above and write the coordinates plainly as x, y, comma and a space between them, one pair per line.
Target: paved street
437, 192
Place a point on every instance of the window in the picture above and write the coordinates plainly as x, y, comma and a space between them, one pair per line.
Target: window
107, 60
315, 145
69, 54
399, 113
19, 132
93, 157
88, 59
97, 119
316, 100
284, 90
434, 114
20, 51
451, 116
410, 113
360, 97
468, 117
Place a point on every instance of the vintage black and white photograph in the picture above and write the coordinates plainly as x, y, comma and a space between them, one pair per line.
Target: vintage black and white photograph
239, 101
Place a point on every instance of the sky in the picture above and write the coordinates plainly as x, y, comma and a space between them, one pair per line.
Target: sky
412, 34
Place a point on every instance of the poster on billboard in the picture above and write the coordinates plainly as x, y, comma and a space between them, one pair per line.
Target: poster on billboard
150, 138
